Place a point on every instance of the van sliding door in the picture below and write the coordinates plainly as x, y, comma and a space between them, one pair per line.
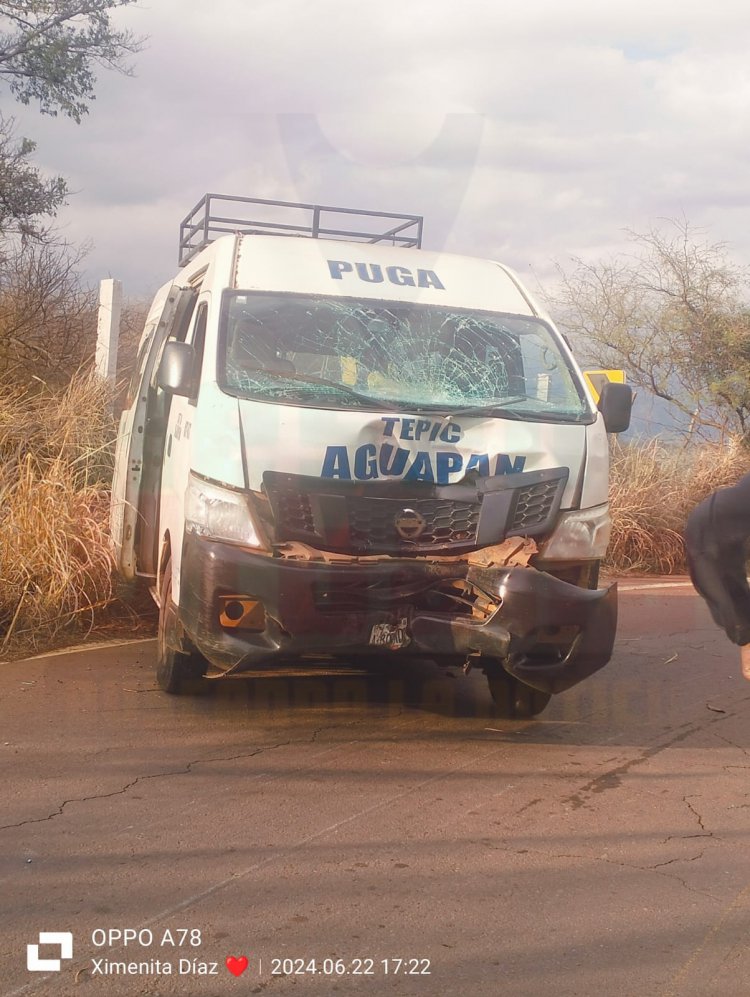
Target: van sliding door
135, 500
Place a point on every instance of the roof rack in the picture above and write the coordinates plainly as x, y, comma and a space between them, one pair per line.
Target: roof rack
217, 214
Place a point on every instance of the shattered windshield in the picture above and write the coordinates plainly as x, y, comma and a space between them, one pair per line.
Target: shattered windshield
344, 353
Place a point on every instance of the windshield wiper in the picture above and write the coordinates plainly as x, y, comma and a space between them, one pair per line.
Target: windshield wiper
379, 403
496, 409
497, 412
564, 417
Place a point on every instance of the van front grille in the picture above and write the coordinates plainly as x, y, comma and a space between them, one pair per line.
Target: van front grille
533, 505
409, 519
373, 523
296, 512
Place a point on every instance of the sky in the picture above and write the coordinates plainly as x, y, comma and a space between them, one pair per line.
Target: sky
530, 132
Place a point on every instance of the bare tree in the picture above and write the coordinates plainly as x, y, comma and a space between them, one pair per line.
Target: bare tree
47, 317
672, 314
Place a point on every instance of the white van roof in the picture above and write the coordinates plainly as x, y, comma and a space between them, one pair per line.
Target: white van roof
286, 247
348, 269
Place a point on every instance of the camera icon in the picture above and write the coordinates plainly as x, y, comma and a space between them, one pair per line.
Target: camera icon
62, 938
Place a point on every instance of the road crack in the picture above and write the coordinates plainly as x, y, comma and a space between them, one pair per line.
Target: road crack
691, 808
655, 869
659, 865
185, 770
139, 779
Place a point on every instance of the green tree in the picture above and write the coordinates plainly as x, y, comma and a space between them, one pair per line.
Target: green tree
672, 314
25, 195
49, 51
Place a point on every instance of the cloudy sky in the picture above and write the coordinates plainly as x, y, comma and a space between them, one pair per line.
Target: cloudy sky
530, 132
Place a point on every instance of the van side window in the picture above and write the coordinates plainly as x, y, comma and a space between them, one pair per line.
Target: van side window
138, 367
198, 341
176, 331
179, 330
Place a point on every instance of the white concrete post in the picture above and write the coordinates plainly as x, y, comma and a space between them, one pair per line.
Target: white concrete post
108, 329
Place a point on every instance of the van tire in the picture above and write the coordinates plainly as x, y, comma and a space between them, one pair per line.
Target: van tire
514, 699
177, 673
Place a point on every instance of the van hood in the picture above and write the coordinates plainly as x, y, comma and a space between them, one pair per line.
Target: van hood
402, 446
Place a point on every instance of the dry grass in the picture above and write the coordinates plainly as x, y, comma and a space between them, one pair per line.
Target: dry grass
653, 488
55, 471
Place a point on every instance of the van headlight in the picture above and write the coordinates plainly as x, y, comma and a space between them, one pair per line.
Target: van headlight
582, 533
220, 513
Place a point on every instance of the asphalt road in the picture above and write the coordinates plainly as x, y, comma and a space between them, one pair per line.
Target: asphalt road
387, 835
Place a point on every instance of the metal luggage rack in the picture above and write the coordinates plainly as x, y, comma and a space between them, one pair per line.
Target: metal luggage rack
217, 214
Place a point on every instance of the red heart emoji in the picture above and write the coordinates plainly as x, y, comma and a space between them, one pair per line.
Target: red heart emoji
237, 964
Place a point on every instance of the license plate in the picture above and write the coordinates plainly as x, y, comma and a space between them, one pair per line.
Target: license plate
390, 634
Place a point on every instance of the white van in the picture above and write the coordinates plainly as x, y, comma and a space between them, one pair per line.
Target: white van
338, 445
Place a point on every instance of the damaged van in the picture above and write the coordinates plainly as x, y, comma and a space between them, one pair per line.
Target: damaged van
340, 446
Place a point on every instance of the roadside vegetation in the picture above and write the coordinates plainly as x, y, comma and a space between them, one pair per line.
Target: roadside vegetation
673, 313
56, 430
57, 433
57, 436
55, 470
653, 488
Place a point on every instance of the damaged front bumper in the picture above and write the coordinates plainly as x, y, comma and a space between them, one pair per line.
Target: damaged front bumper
546, 632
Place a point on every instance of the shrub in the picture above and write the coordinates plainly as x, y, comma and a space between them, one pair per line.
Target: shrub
653, 488
55, 471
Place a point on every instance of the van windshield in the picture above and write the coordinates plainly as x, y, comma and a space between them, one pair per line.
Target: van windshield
344, 353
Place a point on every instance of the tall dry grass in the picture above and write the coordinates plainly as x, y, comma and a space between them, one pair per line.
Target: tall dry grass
55, 472
653, 488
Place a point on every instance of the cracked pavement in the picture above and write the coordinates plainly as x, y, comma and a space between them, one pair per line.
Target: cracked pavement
602, 848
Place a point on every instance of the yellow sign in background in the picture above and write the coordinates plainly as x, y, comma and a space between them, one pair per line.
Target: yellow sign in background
596, 380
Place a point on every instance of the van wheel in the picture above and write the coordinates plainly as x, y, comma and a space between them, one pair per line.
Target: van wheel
514, 699
176, 672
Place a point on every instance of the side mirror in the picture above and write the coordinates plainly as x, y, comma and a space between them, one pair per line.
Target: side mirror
616, 405
175, 374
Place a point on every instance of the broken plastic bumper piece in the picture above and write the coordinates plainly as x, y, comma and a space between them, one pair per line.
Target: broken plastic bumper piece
548, 633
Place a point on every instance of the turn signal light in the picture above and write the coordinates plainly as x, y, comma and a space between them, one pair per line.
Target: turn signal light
242, 612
